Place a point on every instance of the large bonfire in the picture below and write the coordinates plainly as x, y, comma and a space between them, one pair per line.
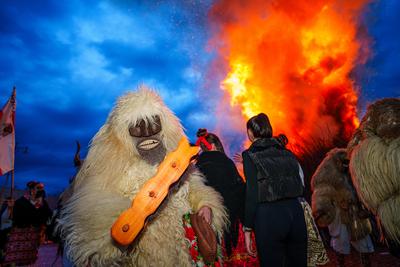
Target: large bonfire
292, 60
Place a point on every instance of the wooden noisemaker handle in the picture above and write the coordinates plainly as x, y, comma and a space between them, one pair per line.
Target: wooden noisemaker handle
148, 199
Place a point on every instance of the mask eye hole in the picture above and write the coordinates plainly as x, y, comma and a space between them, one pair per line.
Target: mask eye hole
134, 131
138, 130
143, 129
156, 125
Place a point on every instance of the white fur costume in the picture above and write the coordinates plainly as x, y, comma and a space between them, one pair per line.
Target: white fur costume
112, 173
375, 164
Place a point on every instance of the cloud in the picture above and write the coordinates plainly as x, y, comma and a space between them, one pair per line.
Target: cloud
71, 60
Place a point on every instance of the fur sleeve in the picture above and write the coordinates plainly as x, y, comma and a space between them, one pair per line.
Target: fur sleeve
85, 224
201, 195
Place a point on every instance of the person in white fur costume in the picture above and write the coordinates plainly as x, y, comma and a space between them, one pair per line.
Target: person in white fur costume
374, 154
123, 155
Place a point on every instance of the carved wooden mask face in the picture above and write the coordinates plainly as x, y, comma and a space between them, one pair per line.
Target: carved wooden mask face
148, 139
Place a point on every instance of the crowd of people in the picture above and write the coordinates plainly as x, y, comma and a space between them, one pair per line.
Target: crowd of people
272, 187
270, 223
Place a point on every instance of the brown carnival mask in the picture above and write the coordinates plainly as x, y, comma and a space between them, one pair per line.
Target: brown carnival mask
147, 138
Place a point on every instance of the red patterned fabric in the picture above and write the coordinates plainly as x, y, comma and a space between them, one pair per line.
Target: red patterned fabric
22, 246
239, 256
197, 259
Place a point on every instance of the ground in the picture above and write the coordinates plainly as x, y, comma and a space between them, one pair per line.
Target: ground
48, 256
381, 258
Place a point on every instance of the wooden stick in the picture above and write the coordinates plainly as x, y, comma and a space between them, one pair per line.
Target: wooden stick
148, 199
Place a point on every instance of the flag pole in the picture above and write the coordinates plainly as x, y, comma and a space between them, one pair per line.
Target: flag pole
12, 185
4, 187
13, 161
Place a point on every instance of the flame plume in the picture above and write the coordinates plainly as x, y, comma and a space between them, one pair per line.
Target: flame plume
292, 60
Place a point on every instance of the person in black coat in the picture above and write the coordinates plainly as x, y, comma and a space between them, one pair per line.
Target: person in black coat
272, 209
32, 209
222, 175
30, 215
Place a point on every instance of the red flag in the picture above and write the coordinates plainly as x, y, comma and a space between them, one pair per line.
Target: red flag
7, 135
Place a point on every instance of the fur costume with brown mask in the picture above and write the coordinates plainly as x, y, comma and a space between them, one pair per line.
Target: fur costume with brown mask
374, 153
332, 191
382, 119
123, 155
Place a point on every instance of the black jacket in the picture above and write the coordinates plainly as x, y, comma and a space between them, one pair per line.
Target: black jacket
222, 175
272, 174
26, 214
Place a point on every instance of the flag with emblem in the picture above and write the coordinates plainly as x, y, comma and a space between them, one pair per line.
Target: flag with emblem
7, 135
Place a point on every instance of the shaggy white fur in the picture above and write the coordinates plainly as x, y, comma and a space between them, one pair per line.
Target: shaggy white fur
388, 212
112, 174
375, 169
376, 166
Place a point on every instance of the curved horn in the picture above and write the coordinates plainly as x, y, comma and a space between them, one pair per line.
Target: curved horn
77, 159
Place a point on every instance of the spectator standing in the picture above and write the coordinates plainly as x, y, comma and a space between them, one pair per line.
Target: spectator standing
272, 209
30, 215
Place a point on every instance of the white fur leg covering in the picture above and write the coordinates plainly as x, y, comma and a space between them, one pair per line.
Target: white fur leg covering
85, 225
375, 170
389, 214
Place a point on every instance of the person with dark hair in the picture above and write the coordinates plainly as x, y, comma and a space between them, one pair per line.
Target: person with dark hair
221, 174
32, 209
207, 140
30, 215
316, 252
272, 208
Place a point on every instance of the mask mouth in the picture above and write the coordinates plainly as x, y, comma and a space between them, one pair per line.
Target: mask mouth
148, 144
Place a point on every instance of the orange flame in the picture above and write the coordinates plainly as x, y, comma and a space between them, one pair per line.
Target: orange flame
292, 60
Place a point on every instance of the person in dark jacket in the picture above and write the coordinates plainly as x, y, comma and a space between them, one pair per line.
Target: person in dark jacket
30, 214
32, 209
222, 175
272, 209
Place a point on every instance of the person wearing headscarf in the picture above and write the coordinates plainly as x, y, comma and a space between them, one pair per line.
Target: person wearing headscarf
221, 174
